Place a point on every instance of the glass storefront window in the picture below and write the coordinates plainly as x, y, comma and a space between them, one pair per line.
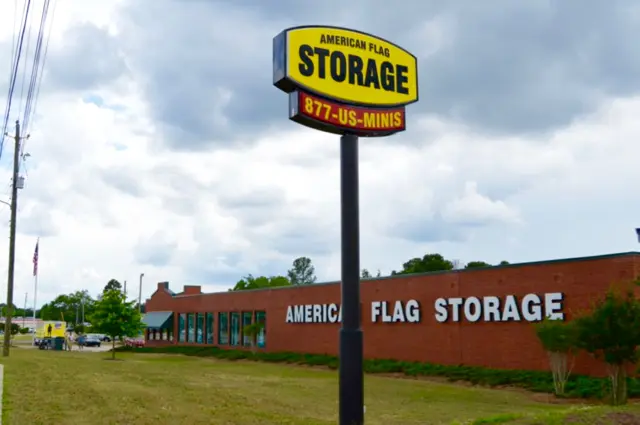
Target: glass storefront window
246, 321
209, 328
235, 328
223, 328
200, 328
182, 319
261, 317
191, 327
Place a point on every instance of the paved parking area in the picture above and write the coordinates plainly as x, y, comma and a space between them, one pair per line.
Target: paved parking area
102, 348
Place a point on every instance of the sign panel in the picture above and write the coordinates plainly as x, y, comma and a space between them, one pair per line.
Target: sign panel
345, 65
333, 117
510, 308
50, 329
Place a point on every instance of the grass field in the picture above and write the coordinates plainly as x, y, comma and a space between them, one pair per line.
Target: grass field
48, 387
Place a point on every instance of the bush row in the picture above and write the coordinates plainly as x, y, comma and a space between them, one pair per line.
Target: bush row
577, 386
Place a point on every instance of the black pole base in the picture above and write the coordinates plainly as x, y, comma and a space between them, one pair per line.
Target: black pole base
351, 377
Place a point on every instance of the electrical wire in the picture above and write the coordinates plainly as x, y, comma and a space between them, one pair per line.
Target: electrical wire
35, 69
44, 60
13, 76
24, 67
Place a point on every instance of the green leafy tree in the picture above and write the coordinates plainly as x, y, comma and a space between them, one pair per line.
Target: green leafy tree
252, 331
302, 272
15, 328
504, 263
559, 340
260, 282
476, 265
367, 275
428, 263
68, 307
116, 317
611, 332
112, 284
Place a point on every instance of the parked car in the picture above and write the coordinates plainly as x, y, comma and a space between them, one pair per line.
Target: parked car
89, 341
101, 337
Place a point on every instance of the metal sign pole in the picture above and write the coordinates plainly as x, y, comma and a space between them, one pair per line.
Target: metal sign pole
351, 341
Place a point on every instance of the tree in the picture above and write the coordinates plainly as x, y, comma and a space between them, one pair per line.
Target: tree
252, 331
260, 282
428, 263
116, 317
558, 338
15, 328
68, 307
476, 265
112, 284
504, 263
302, 272
367, 275
611, 331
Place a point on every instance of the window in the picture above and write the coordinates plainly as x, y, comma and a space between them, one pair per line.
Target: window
223, 328
209, 328
261, 317
200, 328
235, 328
191, 327
181, 327
246, 321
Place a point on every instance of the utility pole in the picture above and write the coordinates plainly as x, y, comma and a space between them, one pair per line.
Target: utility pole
140, 294
12, 242
125, 290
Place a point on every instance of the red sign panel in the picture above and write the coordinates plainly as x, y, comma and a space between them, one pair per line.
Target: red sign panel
333, 117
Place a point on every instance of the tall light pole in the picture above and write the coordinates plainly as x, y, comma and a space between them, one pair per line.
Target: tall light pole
140, 294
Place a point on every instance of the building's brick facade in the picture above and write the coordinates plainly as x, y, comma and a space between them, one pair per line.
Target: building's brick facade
511, 345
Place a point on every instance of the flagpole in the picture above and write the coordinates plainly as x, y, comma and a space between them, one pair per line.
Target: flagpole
35, 289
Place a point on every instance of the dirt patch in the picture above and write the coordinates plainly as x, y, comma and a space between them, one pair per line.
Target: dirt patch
613, 418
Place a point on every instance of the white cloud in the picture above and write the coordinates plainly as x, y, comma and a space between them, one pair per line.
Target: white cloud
105, 194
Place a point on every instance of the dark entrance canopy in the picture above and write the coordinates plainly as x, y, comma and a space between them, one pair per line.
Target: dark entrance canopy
158, 319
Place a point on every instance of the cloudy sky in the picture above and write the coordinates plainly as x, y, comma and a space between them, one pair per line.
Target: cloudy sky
160, 146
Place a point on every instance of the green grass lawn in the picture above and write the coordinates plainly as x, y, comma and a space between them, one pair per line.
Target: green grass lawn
49, 387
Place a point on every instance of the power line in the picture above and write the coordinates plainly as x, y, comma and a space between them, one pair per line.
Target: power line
44, 60
13, 76
35, 69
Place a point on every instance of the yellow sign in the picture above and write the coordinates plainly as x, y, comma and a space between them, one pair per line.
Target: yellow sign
50, 329
345, 65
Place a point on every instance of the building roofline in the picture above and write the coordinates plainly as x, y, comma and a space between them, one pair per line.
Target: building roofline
472, 270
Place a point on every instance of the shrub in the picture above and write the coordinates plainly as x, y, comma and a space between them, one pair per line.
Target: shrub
24, 331
576, 385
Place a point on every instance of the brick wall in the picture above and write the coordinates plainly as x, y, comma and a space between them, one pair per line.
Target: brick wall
510, 344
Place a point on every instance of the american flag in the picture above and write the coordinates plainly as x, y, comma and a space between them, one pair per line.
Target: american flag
35, 259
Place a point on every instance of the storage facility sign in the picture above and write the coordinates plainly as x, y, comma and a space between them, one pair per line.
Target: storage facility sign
342, 80
510, 308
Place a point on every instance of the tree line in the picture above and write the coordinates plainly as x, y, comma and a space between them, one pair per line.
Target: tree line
302, 272
76, 307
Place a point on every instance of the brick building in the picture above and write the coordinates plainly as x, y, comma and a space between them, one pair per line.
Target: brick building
480, 317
